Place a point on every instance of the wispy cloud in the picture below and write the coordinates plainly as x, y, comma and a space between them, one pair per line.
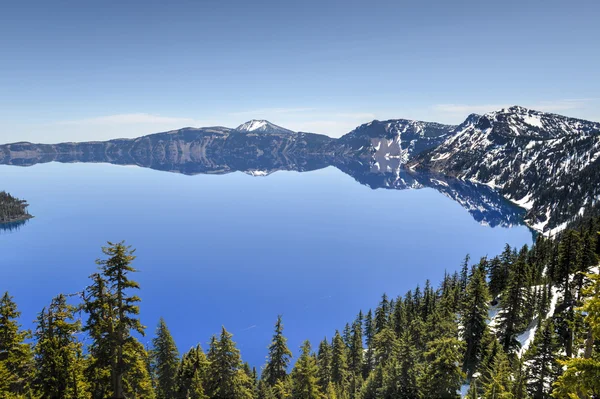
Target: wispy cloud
465, 109
547, 106
129, 119
271, 111
366, 116
563, 105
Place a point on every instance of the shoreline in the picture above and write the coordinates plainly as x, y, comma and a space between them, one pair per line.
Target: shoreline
18, 219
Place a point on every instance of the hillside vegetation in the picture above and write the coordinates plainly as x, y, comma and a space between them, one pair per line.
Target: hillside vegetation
431, 342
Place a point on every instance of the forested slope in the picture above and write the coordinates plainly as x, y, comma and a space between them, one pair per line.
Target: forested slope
430, 342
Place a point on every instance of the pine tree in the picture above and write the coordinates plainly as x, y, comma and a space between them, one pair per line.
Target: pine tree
324, 365
581, 376
15, 354
279, 356
464, 273
112, 317
165, 362
305, 383
385, 345
542, 367
409, 370
496, 383
382, 313
58, 353
355, 359
568, 254
191, 374
137, 382
474, 318
511, 319
369, 333
443, 376
499, 271
226, 378
339, 364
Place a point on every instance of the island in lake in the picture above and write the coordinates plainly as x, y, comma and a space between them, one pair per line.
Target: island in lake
12, 210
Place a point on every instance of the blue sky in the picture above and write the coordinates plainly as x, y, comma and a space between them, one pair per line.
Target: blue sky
79, 70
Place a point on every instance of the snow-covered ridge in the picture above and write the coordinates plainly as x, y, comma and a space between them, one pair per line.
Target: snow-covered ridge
548, 164
261, 126
396, 138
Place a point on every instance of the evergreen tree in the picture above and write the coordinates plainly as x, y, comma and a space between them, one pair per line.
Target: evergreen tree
58, 353
279, 356
382, 313
369, 333
305, 383
136, 376
511, 319
443, 358
408, 370
496, 383
464, 273
226, 378
355, 359
15, 353
192, 374
112, 317
324, 365
542, 367
385, 345
339, 364
568, 254
264, 391
581, 376
474, 318
499, 271
165, 362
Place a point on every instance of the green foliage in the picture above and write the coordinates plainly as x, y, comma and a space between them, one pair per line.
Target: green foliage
305, 382
15, 354
112, 317
279, 357
58, 353
226, 379
165, 359
474, 318
12, 209
497, 382
443, 375
422, 345
192, 374
541, 360
581, 377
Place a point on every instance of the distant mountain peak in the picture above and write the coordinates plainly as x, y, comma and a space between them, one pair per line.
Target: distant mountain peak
261, 125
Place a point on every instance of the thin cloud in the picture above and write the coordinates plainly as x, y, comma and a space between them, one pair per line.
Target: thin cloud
464, 109
356, 115
130, 119
546, 106
270, 111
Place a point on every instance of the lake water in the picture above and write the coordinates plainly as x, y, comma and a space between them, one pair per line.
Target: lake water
234, 249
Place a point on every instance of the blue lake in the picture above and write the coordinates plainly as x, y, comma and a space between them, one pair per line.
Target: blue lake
234, 249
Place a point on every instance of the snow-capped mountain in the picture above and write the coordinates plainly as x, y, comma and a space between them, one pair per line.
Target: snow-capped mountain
261, 126
548, 164
396, 138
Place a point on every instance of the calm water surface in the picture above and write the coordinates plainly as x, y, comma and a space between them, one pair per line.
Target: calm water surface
236, 250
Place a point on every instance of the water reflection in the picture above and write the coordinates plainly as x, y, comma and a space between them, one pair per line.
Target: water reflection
209, 151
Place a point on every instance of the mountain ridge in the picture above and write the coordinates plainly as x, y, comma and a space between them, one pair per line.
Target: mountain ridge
548, 164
